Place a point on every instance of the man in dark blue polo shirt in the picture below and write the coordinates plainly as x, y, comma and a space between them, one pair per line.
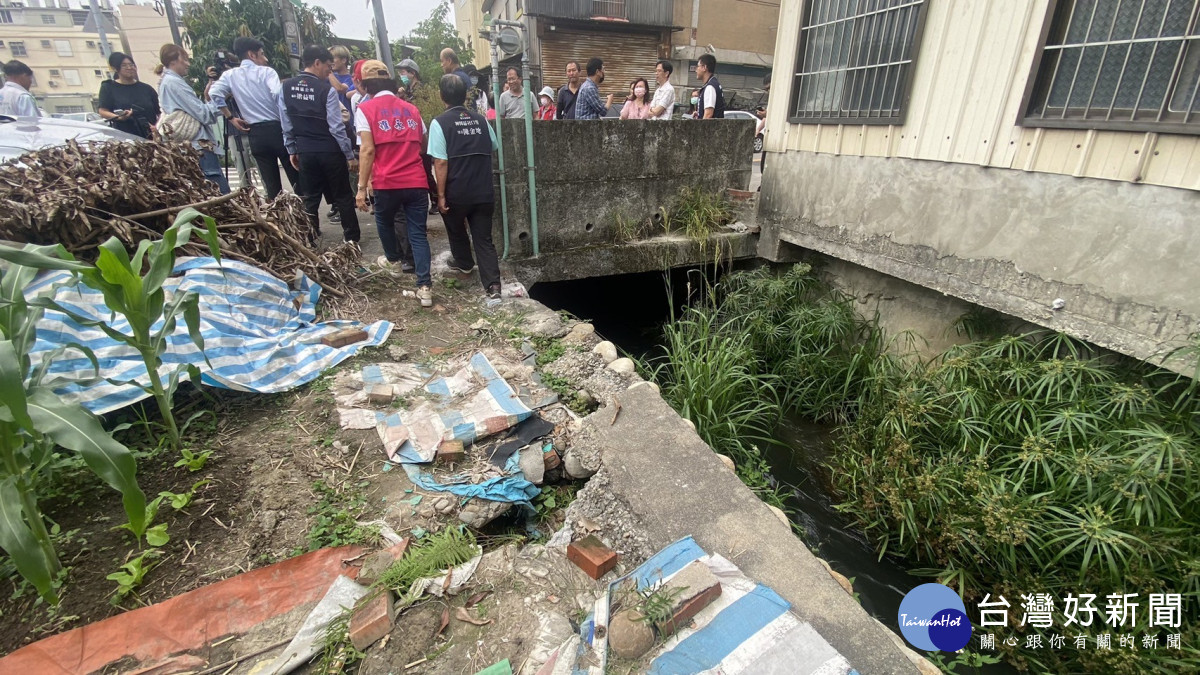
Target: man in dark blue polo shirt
461, 144
315, 137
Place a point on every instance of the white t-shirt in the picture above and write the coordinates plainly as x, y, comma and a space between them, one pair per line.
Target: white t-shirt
663, 96
710, 101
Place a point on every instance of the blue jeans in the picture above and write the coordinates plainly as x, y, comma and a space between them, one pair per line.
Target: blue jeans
414, 202
210, 165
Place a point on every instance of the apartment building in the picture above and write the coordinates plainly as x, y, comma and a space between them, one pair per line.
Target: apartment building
61, 45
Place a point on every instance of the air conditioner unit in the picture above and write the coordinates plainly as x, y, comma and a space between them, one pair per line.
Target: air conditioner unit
53, 84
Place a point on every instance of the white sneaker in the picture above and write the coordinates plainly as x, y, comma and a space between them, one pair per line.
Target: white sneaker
425, 295
392, 268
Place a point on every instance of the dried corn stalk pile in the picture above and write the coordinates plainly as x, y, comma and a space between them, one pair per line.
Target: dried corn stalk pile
79, 196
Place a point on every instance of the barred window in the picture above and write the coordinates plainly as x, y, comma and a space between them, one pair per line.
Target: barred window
18, 48
855, 59
1119, 64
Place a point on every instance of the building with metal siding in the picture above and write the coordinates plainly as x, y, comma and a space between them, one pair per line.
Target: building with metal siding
1009, 153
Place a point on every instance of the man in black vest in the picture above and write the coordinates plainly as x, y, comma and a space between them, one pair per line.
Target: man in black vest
315, 137
712, 99
461, 144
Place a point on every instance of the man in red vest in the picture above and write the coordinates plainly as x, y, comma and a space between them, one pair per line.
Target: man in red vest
392, 137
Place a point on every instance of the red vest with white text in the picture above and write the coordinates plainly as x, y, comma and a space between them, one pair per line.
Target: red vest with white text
396, 128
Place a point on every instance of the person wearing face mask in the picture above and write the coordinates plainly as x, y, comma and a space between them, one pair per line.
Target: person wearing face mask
637, 107
548, 109
588, 105
694, 102
408, 75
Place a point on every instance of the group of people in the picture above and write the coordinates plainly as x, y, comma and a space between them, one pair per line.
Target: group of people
333, 127
579, 98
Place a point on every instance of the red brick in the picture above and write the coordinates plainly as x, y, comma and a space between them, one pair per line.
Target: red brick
697, 587
591, 556
551, 460
450, 452
343, 337
372, 620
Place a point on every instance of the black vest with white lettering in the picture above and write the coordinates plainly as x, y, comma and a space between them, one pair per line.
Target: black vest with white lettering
719, 105
469, 155
305, 98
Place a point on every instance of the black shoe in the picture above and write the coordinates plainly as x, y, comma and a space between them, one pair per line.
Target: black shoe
335, 217
493, 292
407, 267
433, 209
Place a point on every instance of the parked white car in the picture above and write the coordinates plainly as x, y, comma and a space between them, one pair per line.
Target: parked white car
19, 135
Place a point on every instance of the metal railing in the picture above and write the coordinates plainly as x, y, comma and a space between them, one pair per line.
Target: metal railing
642, 12
1122, 64
855, 60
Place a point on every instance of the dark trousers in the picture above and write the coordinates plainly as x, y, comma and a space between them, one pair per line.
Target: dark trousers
427, 161
413, 206
266, 144
327, 174
478, 218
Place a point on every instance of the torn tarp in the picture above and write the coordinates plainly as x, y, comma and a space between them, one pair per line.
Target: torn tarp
509, 488
259, 335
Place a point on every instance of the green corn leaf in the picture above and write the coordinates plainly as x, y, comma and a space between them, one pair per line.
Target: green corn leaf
12, 386
42, 258
76, 429
18, 541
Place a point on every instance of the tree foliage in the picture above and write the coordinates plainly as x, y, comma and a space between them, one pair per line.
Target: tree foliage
427, 41
214, 24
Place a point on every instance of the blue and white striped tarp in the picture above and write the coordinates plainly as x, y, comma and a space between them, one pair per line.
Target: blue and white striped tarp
747, 629
259, 335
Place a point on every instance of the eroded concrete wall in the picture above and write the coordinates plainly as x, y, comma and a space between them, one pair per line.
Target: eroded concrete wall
1120, 256
592, 173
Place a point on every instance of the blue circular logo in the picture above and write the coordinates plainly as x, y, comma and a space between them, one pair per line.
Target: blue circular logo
932, 617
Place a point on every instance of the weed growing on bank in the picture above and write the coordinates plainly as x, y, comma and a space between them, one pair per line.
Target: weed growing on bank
1013, 465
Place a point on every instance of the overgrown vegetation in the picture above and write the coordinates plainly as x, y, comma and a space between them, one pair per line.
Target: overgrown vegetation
1010, 465
335, 517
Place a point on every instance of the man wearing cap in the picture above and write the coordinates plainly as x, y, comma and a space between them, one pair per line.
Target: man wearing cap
512, 101
392, 137
461, 143
315, 137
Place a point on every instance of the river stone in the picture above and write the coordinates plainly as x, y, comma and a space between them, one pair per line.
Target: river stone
628, 636
480, 512
780, 515
647, 383
574, 466
580, 334
532, 463
623, 365
607, 350
727, 462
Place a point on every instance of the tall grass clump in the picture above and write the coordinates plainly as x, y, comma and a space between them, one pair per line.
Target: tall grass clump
1028, 463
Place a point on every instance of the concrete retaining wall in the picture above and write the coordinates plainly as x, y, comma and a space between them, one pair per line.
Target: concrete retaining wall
1120, 255
589, 173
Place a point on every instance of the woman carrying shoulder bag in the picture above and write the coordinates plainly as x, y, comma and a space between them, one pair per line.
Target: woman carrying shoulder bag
185, 116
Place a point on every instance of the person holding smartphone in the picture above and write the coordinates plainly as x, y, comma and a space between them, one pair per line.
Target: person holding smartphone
128, 104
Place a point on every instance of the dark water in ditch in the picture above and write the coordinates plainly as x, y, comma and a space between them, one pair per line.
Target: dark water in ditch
630, 310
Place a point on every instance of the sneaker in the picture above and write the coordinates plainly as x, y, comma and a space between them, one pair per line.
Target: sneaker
455, 268
493, 292
425, 295
408, 267
335, 217
433, 209
392, 268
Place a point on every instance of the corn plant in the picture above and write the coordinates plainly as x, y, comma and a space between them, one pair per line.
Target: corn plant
33, 419
133, 288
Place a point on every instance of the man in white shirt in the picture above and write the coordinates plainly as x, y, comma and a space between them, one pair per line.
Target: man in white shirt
663, 103
254, 87
15, 99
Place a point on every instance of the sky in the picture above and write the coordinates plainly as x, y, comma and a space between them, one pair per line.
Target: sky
354, 16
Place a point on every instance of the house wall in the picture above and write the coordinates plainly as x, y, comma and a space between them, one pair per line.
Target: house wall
1089, 232
55, 91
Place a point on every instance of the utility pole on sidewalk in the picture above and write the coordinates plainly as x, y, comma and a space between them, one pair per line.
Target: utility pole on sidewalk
173, 22
105, 47
382, 45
